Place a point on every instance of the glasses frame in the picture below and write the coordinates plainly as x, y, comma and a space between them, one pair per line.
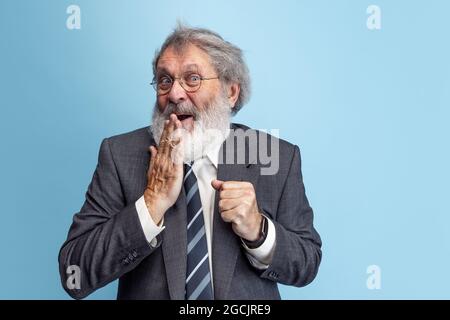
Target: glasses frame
154, 83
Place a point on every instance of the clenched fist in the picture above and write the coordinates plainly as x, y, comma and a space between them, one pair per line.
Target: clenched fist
238, 206
165, 173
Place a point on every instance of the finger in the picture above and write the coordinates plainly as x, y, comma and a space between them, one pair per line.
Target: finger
236, 185
228, 204
163, 139
177, 133
232, 215
164, 144
216, 184
153, 152
166, 147
228, 215
178, 152
176, 147
233, 193
164, 133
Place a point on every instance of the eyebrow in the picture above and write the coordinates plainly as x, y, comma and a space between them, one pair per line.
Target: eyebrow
162, 70
187, 68
192, 66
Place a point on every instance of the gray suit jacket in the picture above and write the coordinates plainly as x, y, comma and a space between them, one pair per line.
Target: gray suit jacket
106, 240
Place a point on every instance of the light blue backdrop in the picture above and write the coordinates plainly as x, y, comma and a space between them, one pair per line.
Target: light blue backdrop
369, 109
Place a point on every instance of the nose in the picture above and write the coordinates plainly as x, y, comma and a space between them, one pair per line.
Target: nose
177, 94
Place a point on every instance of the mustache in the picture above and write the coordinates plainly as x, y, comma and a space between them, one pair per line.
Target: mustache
180, 108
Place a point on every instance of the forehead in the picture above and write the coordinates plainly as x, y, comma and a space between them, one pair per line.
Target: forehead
188, 57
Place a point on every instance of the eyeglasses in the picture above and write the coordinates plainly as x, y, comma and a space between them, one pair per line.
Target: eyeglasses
189, 81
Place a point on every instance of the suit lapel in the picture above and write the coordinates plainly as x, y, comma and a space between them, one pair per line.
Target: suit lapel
173, 239
174, 247
226, 244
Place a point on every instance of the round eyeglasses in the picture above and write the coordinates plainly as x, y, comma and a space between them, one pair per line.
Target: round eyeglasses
189, 81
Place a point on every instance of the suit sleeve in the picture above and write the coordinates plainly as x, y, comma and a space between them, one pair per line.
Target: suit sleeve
297, 253
106, 239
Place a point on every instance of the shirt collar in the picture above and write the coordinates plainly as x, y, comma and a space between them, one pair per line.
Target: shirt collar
212, 153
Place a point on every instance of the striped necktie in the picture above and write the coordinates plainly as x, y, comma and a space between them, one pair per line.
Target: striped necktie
198, 276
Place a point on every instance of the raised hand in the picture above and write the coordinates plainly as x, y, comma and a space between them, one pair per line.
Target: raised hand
165, 173
238, 206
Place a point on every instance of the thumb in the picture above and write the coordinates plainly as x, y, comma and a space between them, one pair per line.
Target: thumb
216, 184
153, 151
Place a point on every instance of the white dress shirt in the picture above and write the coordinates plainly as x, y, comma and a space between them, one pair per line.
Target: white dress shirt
205, 169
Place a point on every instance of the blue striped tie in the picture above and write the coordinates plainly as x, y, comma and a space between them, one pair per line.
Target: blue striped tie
198, 276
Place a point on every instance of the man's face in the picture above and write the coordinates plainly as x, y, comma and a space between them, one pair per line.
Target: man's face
204, 113
178, 64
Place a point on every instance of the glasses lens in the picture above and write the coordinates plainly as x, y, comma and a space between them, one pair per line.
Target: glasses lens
164, 83
192, 81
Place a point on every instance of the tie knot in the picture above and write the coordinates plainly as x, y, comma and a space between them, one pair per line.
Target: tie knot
187, 167
188, 172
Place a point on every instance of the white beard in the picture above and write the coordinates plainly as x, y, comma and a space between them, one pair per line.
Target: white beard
211, 126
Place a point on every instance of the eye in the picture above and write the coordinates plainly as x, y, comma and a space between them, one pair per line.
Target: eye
193, 79
164, 80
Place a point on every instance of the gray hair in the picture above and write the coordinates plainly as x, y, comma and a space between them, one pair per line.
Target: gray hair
226, 58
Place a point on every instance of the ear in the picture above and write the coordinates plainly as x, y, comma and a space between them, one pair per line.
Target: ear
233, 91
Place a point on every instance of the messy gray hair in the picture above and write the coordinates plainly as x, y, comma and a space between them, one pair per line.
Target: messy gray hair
226, 58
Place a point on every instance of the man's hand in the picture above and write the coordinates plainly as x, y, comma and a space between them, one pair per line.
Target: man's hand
238, 205
165, 173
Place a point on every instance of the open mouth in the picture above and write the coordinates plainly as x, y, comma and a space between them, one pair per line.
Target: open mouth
182, 117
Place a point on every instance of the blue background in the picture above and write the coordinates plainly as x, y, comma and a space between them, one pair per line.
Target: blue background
369, 109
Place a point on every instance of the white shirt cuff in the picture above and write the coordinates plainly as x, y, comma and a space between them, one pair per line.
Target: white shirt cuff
151, 230
261, 257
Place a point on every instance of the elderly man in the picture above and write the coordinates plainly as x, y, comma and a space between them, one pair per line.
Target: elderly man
171, 215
